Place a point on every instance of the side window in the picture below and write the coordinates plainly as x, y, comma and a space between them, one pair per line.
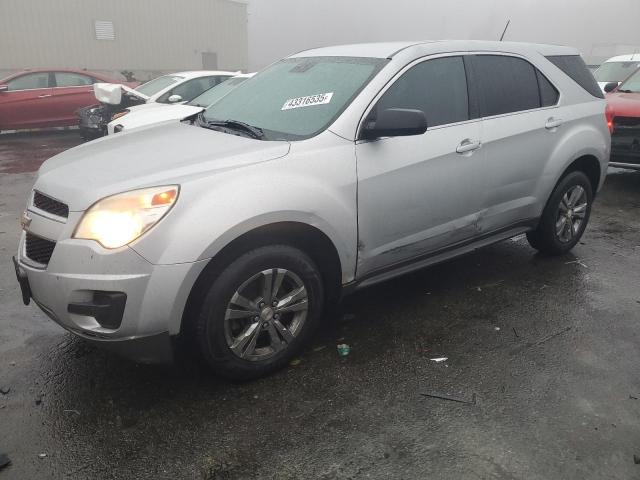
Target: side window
190, 89
574, 67
548, 93
506, 84
438, 87
30, 81
68, 79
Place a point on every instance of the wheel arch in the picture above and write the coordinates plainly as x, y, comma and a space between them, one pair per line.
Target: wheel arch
590, 166
309, 239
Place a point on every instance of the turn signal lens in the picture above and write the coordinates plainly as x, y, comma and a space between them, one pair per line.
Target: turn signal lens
119, 114
609, 114
119, 220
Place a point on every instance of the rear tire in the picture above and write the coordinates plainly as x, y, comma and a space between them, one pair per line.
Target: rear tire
565, 216
259, 312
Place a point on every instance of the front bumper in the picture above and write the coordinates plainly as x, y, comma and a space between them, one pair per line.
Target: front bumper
81, 272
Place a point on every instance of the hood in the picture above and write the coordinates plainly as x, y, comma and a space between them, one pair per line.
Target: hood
140, 117
624, 104
111, 93
159, 155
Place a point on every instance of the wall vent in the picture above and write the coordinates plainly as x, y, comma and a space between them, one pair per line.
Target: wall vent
104, 30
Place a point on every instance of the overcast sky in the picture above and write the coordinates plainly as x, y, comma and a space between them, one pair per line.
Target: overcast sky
599, 28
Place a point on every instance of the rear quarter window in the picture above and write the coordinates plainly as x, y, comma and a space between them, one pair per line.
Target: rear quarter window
576, 69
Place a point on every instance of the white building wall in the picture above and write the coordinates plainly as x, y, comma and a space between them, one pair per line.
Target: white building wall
150, 35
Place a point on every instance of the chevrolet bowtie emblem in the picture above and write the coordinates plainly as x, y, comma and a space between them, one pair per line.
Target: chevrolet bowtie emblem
25, 220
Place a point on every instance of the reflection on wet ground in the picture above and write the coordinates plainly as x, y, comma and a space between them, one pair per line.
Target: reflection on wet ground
549, 347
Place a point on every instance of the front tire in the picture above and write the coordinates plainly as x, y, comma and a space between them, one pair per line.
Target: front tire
565, 216
260, 312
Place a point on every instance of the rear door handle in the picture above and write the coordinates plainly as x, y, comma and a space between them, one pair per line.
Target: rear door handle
468, 145
553, 123
44, 96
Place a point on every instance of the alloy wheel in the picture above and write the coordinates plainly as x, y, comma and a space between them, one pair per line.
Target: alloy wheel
571, 213
265, 314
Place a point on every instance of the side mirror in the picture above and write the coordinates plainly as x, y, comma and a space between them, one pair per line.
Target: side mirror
174, 99
610, 87
4, 88
395, 122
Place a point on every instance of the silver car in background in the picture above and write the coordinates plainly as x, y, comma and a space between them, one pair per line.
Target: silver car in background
331, 170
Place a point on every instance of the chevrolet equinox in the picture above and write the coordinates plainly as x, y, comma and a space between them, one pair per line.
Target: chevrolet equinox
330, 170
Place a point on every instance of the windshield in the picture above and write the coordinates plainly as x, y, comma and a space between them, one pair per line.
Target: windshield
154, 86
216, 93
632, 84
615, 71
296, 98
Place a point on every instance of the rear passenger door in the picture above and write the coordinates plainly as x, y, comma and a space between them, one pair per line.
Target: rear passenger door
71, 91
419, 194
520, 130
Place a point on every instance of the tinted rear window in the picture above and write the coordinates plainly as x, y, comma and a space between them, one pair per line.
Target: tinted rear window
574, 66
506, 84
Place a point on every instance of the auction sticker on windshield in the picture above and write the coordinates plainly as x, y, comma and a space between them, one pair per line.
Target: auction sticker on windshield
308, 101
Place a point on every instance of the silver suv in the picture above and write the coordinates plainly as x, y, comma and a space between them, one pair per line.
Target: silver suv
331, 170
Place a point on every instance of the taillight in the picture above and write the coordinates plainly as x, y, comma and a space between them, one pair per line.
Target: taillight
609, 114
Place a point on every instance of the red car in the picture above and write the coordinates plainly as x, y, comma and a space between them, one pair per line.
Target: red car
623, 116
46, 98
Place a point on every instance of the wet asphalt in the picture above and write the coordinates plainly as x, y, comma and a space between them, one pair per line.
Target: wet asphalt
543, 351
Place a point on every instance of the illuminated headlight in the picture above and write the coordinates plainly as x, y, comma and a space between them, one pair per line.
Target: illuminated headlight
118, 220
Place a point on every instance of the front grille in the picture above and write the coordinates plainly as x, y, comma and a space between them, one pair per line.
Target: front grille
39, 249
625, 140
50, 205
626, 122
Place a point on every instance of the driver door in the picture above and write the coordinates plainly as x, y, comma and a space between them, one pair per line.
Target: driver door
420, 194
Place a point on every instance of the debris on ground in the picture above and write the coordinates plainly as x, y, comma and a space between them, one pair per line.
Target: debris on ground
318, 349
295, 362
5, 461
13, 364
576, 261
343, 349
553, 335
488, 285
450, 398
636, 459
42, 455
439, 359
633, 397
497, 329
515, 332
77, 412
38, 399
4, 390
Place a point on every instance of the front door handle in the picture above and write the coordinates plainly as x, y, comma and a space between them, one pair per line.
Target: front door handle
552, 123
44, 96
468, 145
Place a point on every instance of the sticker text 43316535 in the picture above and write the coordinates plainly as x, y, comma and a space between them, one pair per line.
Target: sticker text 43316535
308, 101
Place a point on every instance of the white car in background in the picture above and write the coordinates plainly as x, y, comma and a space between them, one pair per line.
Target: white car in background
617, 69
152, 113
114, 99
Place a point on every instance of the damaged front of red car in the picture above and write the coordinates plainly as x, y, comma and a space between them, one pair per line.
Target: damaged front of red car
623, 117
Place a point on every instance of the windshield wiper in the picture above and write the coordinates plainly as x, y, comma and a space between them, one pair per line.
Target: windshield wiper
254, 132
